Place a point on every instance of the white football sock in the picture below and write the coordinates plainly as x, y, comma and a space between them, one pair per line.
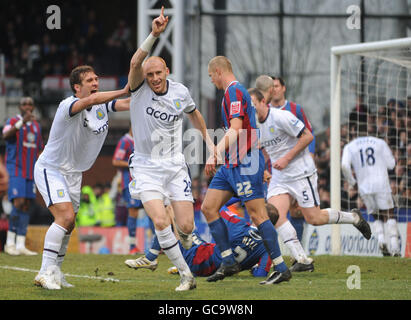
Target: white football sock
391, 225
289, 236
169, 243
379, 231
11, 238
341, 217
63, 249
52, 245
20, 242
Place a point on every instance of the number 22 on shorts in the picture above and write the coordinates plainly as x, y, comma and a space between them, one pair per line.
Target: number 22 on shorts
243, 188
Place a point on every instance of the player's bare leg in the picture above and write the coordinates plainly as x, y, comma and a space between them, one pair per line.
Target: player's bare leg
282, 202
288, 234
184, 222
168, 242
319, 217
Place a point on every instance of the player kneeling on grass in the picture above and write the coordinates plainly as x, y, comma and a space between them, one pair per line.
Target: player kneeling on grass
204, 258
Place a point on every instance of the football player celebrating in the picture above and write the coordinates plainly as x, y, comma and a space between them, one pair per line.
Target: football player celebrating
76, 136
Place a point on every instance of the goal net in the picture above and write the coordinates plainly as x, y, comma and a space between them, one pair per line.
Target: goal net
371, 90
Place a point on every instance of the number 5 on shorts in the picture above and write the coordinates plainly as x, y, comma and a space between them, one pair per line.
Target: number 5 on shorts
244, 188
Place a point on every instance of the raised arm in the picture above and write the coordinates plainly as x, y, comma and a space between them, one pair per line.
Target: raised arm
10, 131
123, 104
136, 75
97, 98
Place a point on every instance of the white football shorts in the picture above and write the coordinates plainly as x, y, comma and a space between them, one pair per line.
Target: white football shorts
378, 201
55, 187
169, 177
303, 190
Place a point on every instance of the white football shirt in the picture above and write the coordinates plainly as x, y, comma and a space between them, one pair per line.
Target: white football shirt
75, 140
370, 157
279, 133
157, 120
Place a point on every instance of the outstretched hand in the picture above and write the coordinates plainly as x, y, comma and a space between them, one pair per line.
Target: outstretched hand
159, 24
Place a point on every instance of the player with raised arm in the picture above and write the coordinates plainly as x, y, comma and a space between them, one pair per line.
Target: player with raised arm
23, 146
286, 140
76, 136
122, 153
158, 165
371, 158
241, 175
204, 258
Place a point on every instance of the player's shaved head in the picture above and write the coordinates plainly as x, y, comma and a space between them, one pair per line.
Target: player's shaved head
155, 72
264, 82
154, 60
221, 62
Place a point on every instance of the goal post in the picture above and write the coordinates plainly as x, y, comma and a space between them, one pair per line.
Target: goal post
366, 87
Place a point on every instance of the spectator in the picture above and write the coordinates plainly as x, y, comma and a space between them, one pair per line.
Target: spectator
86, 216
104, 206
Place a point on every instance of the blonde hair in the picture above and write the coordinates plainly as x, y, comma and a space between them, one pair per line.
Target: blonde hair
222, 62
264, 82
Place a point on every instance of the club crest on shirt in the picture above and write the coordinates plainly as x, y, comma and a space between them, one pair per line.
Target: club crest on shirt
100, 113
177, 104
271, 129
235, 108
31, 137
60, 193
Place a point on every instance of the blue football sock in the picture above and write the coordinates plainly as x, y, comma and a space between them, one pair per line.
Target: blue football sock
23, 223
155, 247
131, 226
270, 238
14, 219
298, 224
219, 232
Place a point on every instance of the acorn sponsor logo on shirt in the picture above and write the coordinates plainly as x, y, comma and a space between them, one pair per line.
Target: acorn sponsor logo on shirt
164, 116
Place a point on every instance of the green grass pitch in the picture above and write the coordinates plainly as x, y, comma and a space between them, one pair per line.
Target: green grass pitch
106, 277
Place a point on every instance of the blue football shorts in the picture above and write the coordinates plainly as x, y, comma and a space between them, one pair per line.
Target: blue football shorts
21, 188
131, 203
246, 182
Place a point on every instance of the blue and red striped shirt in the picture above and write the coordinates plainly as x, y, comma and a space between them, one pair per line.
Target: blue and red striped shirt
23, 149
237, 103
124, 149
204, 258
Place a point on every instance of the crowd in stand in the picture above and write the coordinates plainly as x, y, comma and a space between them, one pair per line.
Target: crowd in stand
32, 51
389, 122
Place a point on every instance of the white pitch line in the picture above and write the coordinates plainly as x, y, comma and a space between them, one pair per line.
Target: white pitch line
66, 274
